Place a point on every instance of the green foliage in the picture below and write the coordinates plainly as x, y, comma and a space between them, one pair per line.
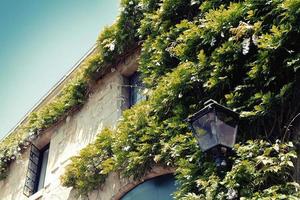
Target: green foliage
260, 171
91, 166
111, 44
244, 54
72, 95
135, 152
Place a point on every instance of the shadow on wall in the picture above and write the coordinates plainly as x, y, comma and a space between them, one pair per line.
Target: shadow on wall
72, 195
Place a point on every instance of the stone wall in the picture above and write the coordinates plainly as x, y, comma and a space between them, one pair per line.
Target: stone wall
103, 109
12, 187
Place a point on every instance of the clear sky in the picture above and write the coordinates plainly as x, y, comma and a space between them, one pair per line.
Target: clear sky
40, 41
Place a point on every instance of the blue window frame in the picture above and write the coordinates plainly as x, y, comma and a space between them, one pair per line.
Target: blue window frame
159, 188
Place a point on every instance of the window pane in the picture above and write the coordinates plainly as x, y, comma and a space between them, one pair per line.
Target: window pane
136, 91
160, 188
43, 169
227, 128
205, 131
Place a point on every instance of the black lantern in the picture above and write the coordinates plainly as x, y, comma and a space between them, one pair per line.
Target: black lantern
215, 128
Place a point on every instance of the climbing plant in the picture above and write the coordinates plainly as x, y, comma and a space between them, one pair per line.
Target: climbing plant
97, 164
112, 43
244, 54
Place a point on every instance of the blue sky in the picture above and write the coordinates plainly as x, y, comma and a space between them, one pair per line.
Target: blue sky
40, 41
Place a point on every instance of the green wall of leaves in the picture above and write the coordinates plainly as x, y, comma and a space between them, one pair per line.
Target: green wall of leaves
244, 54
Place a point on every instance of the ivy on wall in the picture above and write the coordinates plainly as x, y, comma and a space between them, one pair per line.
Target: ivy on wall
112, 43
244, 54
260, 171
97, 164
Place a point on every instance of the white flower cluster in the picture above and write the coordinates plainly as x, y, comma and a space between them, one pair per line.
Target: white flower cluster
232, 194
246, 46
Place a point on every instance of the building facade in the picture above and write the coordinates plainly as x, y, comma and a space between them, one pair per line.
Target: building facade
35, 175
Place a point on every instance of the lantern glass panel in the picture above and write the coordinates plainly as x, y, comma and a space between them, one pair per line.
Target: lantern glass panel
205, 131
226, 128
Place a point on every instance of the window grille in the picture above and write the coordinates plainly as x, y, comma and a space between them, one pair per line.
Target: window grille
31, 181
36, 171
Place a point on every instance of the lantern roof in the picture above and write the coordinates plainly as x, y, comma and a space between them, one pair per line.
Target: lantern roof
212, 106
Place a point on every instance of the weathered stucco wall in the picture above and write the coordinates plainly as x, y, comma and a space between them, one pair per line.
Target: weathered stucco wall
103, 109
12, 187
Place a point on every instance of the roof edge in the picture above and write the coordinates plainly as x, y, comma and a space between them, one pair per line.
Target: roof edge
53, 92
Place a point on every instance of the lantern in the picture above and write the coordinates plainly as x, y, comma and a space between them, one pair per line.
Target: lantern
215, 128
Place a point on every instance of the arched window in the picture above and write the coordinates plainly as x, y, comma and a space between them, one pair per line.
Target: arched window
159, 188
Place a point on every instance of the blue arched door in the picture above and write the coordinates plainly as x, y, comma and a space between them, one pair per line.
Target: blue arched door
159, 188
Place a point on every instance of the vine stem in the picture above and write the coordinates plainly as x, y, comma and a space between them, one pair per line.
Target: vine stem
287, 128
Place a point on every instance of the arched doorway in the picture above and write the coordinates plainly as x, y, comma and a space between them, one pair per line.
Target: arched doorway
158, 188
